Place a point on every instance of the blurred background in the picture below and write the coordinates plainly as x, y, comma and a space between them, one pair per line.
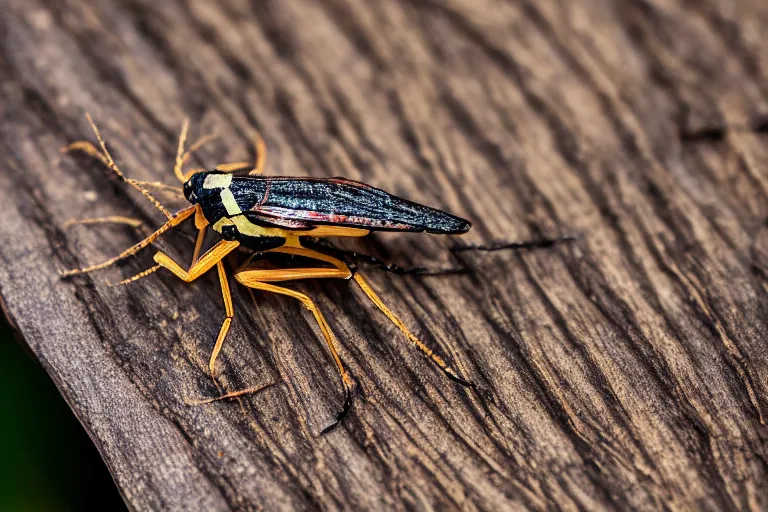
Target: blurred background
47, 461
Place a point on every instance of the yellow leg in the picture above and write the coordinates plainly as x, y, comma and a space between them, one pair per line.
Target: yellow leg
343, 271
201, 223
213, 256
206, 262
198, 245
173, 221
256, 167
183, 156
140, 275
291, 274
114, 219
309, 253
261, 154
254, 279
450, 372
230, 312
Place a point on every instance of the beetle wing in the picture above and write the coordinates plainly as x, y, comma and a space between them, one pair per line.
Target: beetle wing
263, 218
339, 201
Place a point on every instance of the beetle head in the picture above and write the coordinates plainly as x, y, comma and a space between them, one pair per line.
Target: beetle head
203, 184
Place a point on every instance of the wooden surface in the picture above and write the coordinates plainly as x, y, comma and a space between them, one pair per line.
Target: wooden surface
628, 370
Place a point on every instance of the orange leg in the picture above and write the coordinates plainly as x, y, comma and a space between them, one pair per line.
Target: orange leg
450, 372
256, 279
342, 271
256, 167
259, 279
230, 312
213, 256
173, 221
182, 156
201, 223
261, 154
206, 262
114, 219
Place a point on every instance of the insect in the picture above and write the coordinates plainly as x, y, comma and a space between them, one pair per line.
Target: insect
270, 215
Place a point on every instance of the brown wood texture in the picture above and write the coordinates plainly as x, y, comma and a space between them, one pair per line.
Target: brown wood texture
627, 370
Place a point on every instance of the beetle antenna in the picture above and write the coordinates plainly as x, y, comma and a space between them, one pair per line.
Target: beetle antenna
541, 243
758, 123
110, 162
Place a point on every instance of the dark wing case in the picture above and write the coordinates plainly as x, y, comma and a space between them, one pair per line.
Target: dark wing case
300, 203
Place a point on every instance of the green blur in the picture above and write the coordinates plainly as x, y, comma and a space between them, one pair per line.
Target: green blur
47, 461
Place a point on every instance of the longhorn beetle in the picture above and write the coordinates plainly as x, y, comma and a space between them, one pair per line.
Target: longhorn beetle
290, 216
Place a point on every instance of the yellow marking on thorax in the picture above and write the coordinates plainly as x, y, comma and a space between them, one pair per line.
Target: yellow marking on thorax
228, 199
217, 181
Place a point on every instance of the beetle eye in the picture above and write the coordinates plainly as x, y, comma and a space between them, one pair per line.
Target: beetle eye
189, 192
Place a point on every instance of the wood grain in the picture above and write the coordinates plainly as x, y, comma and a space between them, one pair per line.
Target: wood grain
627, 370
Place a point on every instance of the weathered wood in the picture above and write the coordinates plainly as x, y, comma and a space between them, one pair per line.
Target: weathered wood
628, 370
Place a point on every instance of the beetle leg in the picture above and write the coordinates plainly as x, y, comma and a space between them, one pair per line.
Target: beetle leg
114, 219
213, 256
206, 262
315, 255
227, 296
183, 156
256, 167
174, 221
195, 271
345, 273
449, 372
352, 257
261, 154
198, 245
255, 279
278, 275
342, 271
